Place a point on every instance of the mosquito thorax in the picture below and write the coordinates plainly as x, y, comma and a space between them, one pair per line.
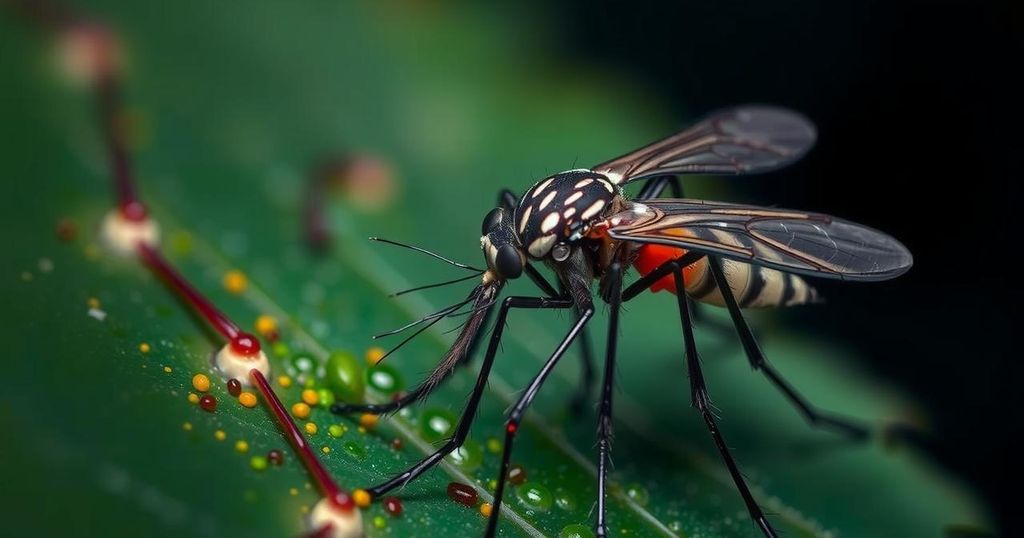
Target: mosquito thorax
560, 210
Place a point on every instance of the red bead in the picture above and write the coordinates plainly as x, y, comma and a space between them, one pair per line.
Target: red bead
393, 506
511, 428
276, 457
245, 344
396, 444
208, 403
67, 230
462, 494
343, 501
517, 475
234, 387
134, 211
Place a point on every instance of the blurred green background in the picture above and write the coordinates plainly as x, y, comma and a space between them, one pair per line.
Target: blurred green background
232, 106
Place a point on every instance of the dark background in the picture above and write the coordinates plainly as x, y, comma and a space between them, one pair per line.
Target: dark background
918, 131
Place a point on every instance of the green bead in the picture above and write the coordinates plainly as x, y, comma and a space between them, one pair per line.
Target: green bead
384, 378
344, 377
258, 463
280, 349
638, 493
379, 522
326, 397
354, 449
336, 430
437, 424
494, 446
535, 497
467, 457
576, 530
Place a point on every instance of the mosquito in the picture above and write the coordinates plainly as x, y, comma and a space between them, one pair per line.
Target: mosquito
582, 226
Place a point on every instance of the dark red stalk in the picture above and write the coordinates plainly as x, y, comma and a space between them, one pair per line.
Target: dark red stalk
330, 490
241, 342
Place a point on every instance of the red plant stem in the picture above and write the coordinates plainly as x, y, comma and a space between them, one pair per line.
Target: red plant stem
330, 490
201, 304
110, 109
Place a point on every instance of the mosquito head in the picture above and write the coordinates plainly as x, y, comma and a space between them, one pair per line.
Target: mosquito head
560, 210
501, 248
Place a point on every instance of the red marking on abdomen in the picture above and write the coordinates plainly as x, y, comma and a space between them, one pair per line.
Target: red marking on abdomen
650, 257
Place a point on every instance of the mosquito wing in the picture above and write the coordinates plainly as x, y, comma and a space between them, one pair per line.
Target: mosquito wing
741, 140
794, 241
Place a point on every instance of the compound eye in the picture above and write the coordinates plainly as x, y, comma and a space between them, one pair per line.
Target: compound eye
508, 262
491, 221
560, 252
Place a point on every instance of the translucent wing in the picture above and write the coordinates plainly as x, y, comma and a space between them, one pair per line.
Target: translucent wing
793, 241
742, 140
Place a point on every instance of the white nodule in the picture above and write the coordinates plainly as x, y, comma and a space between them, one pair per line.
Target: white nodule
343, 524
235, 365
122, 236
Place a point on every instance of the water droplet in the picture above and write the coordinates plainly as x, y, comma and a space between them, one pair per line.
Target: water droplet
534, 496
437, 424
355, 450
384, 378
638, 493
467, 457
565, 500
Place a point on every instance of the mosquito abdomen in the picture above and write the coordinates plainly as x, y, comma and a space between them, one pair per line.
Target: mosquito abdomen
752, 285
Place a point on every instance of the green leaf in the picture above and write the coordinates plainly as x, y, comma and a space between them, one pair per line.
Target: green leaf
235, 105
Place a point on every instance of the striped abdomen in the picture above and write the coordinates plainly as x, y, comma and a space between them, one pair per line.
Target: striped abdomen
752, 285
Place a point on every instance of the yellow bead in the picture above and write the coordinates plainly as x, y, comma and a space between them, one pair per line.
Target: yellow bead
193, 398
235, 281
311, 428
485, 509
310, 397
266, 325
293, 491
144, 347
220, 435
200, 382
284, 381
326, 450
187, 426
241, 446
361, 497
167, 369
368, 420
374, 355
247, 399
93, 302
300, 410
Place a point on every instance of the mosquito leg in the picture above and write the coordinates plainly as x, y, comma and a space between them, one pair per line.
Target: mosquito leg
702, 401
667, 268
604, 421
582, 393
516, 415
462, 429
757, 360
